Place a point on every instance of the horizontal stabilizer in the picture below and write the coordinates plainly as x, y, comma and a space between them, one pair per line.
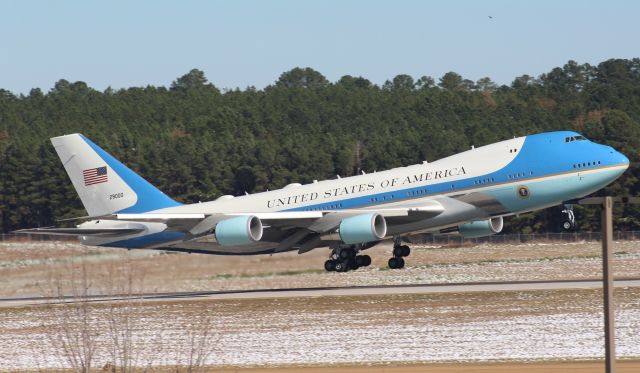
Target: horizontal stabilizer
81, 231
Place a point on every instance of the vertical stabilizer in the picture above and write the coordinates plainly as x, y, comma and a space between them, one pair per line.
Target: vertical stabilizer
105, 185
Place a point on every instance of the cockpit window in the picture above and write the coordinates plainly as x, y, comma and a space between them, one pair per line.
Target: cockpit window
574, 138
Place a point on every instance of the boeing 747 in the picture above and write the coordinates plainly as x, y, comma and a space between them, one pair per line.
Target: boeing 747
467, 193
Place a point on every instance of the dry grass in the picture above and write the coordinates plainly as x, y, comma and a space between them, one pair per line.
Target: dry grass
24, 266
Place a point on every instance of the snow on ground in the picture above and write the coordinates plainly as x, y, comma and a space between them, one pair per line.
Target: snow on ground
523, 326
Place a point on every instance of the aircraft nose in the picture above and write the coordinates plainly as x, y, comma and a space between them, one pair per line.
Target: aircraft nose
618, 158
623, 159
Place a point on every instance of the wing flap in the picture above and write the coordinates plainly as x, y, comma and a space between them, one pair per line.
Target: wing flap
81, 231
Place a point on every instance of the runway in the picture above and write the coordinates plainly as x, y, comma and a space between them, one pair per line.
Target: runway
437, 288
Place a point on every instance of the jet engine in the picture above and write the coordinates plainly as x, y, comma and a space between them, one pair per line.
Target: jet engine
362, 228
481, 228
242, 230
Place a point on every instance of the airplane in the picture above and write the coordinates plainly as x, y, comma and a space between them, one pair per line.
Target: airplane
469, 193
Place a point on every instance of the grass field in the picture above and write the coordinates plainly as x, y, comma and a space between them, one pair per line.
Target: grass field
25, 267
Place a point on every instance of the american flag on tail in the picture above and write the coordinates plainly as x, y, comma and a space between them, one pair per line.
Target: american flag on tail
95, 175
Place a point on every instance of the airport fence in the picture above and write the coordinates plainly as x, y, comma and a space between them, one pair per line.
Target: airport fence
428, 239
34, 237
518, 238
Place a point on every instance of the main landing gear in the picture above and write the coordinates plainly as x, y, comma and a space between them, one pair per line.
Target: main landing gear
568, 218
399, 252
344, 259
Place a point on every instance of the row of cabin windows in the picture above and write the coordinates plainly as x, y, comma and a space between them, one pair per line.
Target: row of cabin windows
483, 181
381, 199
324, 208
513, 150
518, 175
574, 138
586, 164
416, 192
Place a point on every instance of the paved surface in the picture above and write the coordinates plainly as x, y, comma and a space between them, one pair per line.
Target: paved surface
335, 291
520, 367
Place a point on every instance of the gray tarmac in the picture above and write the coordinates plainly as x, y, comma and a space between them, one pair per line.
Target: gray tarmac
331, 291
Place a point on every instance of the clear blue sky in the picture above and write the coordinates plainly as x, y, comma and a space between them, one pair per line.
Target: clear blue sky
243, 43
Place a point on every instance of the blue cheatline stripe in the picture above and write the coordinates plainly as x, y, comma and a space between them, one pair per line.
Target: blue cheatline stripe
149, 197
531, 163
146, 241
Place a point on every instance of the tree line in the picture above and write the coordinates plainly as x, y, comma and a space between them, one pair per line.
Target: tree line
197, 142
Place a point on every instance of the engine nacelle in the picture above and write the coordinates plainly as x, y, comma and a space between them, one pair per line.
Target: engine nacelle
242, 230
481, 228
363, 228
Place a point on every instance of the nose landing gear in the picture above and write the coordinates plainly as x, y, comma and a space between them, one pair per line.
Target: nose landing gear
568, 218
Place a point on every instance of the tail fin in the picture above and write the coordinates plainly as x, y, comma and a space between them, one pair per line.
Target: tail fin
103, 183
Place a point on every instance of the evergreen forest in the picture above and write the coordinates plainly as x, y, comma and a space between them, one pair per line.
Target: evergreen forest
196, 142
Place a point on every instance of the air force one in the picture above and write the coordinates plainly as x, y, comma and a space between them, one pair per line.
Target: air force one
467, 193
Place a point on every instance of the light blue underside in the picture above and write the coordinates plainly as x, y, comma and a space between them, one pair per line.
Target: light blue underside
357, 229
545, 192
148, 240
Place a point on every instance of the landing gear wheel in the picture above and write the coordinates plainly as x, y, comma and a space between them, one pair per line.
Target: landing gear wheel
403, 250
406, 250
341, 266
396, 263
367, 260
392, 262
397, 251
330, 265
567, 226
363, 260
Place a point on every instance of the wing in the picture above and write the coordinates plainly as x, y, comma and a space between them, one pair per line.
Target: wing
314, 221
286, 230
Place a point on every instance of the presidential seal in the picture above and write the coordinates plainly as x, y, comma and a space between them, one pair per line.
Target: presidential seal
523, 191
